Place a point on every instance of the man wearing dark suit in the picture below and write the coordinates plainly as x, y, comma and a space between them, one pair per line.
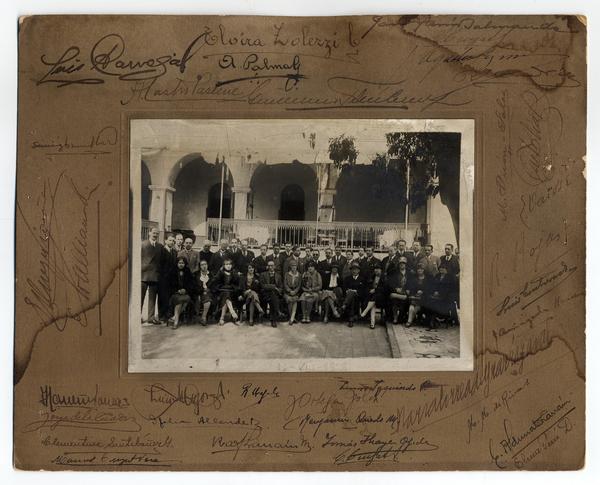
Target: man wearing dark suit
418, 251
283, 257
206, 253
450, 262
324, 266
244, 258
430, 261
216, 260
294, 257
169, 260
354, 287
390, 263
274, 256
152, 254
193, 258
339, 259
260, 262
404, 253
272, 289
368, 265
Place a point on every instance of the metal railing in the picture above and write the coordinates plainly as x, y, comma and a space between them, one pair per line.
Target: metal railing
311, 233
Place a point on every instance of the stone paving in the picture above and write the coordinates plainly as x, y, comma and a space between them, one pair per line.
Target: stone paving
314, 340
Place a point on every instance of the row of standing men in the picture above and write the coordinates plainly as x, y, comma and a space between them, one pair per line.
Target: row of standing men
408, 285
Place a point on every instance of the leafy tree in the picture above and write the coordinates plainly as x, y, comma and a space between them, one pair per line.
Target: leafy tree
342, 151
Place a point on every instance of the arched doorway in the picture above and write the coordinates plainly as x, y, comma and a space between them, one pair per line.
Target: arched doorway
197, 195
213, 206
146, 192
292, 203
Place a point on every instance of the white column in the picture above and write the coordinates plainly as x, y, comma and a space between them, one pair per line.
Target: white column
441, 228
325, 211
161, 206
240, 202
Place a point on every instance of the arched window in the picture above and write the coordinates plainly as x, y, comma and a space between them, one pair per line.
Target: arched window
292, 203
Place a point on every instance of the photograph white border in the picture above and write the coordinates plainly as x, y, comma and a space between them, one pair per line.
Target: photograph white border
138, 364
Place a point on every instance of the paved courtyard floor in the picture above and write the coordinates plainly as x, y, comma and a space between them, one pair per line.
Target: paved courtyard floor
314, 340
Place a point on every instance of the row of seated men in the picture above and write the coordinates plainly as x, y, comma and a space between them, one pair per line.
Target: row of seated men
407, 286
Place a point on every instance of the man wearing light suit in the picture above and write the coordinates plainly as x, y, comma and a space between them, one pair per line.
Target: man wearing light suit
152, 262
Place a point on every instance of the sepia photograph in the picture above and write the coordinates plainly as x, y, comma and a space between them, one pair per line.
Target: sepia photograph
301, 245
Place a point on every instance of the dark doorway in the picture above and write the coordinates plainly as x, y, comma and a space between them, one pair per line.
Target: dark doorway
292, 203
214, 197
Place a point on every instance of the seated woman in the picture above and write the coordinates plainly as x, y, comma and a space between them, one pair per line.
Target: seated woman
311, 287
227, 284
376, 294
332, 293
397, 282
441, 300
250, 288
205, 296
182, 288
418, 291
292, 286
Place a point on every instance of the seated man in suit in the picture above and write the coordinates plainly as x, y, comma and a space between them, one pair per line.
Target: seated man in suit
260, 262
354, 286
271, 287
152, 259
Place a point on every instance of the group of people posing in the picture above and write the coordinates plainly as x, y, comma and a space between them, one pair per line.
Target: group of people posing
407, 286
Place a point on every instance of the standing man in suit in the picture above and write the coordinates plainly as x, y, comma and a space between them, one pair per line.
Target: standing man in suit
418, 251
390, 263
283, 257
368, 265
217, 259
260, 262
206, 253
430, 261
178, 241
274, 256
354, 286
272, 289
244, 258
404, 253
168, 263
450, 261
339, 259
193, 258
152, 256
324, 266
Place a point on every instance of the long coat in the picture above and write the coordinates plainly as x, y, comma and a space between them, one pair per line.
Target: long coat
152, 260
